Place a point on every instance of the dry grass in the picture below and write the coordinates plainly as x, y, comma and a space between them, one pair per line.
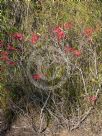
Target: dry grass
23, 126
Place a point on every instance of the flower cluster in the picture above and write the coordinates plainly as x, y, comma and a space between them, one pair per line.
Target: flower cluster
5, 58
88, 32
35, 38
4, 54
18, 36
60, 33
92, 99
36, 76
75, 52
11, 48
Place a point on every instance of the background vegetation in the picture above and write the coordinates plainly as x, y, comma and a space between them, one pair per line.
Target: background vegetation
70, 104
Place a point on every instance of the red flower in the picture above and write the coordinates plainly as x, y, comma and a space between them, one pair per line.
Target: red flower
88, 32
57, 29
69, 49
4, 53
36, 76
12, 63
68, 25
4, 58
11, 48
59, 33
73, 50
34, 38
77, 53
92, 99
18, 36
